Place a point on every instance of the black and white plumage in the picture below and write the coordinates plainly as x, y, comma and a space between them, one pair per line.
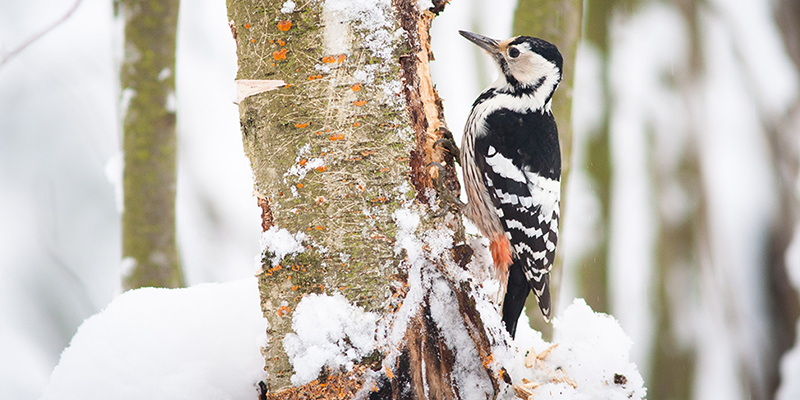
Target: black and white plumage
511, 160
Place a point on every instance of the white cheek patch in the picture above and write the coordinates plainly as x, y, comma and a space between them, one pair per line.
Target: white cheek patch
530, 67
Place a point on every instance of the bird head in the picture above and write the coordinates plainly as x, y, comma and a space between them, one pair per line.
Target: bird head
524, 62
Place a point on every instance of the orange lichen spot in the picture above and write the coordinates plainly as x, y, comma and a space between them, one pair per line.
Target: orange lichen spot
252, 40
284, 25
279, 55
329, 59
356, 124
389, 373
283, 310
280, 193
273, 64
295, 267
361, 187
320, 199
300, 185
359, 103
337, 136
295, 287
322, 168
340, 59
318, 133
385, 169
487, 361
380, 199
281, 42
247, 26
272, 41
366, 153
319, 228
319, 76
303, 162
301, 125
312, 77
356, 87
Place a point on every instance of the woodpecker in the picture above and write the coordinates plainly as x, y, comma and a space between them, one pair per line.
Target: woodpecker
511, 162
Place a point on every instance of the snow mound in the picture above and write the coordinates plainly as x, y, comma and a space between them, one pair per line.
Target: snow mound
589, 358
329, 331
197, 343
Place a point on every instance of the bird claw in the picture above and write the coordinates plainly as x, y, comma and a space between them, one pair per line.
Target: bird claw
449, 144
450, 200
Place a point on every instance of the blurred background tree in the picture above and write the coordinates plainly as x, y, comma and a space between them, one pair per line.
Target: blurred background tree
147, 78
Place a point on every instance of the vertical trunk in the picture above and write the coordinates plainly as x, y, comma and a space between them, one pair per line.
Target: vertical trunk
559, 22
339, 152
148, 91
782, 138
680, 242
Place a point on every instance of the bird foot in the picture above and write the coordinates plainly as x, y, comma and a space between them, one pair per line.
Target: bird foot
449, 144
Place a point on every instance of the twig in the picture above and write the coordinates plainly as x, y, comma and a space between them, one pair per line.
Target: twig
13, 53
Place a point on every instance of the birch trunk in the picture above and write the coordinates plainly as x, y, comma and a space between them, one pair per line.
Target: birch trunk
339, 149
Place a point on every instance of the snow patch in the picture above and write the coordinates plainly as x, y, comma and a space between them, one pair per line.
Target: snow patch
127, 265
288, 7
280, 242
328, 332
197, 343
114, 168
164, 74
424, 4
589, 358
407, 222
370, 17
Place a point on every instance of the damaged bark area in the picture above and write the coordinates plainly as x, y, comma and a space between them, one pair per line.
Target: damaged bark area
340, 134
424, 105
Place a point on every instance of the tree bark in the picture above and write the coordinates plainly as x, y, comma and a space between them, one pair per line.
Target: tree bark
338, 148
148, 87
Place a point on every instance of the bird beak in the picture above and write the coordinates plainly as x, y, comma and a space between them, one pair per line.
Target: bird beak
488, 44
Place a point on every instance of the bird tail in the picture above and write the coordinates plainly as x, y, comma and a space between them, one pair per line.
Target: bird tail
517, 293
542, 291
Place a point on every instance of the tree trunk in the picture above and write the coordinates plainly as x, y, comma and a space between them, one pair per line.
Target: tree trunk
339, 152
559, 22
148, 96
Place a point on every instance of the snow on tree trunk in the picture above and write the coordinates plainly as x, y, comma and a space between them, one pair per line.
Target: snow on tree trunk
148, 96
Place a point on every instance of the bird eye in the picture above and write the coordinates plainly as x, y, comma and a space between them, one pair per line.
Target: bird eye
513, 52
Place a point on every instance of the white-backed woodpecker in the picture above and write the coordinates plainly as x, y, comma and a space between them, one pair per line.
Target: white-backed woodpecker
511, 162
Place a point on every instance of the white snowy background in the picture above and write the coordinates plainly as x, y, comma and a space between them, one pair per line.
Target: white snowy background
59, 161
